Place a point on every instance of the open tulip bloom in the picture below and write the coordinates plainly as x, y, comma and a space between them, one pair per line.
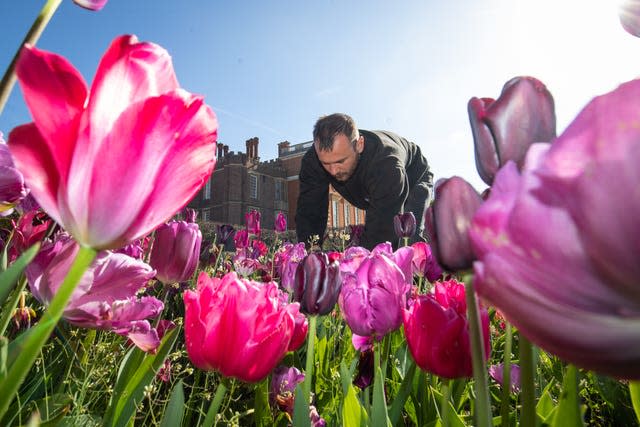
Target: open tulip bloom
558, 244
111, 163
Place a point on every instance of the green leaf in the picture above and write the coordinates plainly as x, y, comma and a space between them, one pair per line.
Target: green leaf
353, 414
174, 410
454, 419
212, 412
545, 407
300, 409
262, 412
9, 277
403, 393
136, 371
4, 344
634, 391
568, 412
379, 415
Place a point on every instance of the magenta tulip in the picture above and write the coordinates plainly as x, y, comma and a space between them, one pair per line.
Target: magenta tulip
281, 223
447, 222
504, 128
176, 250
424, 262
112, 163
558, 244
241, 239
91, 4
106, 295
238, 327
252, 220
374, 289
437, 331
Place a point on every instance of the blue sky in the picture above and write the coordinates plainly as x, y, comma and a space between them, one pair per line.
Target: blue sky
271, 68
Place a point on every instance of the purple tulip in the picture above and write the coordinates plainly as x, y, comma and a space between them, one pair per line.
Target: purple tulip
447, 222
504, 128
317, 284
286, 261
374, 289
175, 251
91, 4
283, 386
281, 223
364, 369
404, 224
12, 187
106, 295
224, 233
497, 373
630, 16
558, 244
252, 219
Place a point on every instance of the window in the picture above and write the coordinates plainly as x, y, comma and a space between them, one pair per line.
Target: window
205, 215
279, 193
346, 214
207, 190
253, 186
334, 213
357, 215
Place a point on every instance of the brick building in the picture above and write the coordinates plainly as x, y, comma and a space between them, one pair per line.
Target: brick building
241, 182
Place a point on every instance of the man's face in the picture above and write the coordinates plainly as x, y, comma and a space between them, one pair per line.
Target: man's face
342, 160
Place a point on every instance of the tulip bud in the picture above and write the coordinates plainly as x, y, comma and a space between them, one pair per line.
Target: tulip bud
404, 224
241, 239
447, 222
91, 4
281, 223
175, 251
317, 284
503, 129
252, 219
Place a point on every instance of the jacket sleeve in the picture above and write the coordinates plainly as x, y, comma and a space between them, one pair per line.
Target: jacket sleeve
313, 200
388, 192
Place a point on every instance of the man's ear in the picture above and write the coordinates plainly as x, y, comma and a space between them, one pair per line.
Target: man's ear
360, 144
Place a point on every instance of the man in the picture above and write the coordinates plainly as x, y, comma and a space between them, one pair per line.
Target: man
377, 171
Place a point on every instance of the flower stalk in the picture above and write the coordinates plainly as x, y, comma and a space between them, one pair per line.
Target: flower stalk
308, 372
9, 77
506, 377
527, 371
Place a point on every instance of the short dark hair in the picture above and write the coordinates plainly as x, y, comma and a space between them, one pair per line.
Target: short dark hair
328, 127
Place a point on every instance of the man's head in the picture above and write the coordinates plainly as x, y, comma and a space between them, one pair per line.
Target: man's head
338, 145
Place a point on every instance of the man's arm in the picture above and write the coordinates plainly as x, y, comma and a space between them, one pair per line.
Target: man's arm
313, 201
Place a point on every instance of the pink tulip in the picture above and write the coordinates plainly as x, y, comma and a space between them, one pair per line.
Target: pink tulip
558, 244
437, 331
91, 4
281, 223
238, 327
112, 163
424, 262
106, 295
252, 219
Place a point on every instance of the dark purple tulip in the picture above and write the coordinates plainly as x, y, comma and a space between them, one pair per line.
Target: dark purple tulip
317, 284
447, 222
281, 223
404, 224
189, 214
364, 369
503, 129
224, 232
91, 4
630, 16
252, 219
175, 251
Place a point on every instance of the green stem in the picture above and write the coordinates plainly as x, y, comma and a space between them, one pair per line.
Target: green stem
308, 373
212, 413
483, 405
528, 416
37, 336
9, 78
446, 396
505, 406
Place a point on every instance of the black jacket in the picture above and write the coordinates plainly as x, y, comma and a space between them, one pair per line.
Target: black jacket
388, 169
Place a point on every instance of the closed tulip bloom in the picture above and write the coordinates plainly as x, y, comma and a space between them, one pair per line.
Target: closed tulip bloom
404, 224
448, 220
374, 294
286, 261
91, 4
111, 163
106, 295
175, 251
504, 128
241, 239
12, 187
224, 233
558, 243
281, 223
252, 219
238, 327
317, 284
437, 331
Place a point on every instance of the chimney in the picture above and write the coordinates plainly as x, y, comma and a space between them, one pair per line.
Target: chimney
225, 149
252, 148
255, 147
283, 148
